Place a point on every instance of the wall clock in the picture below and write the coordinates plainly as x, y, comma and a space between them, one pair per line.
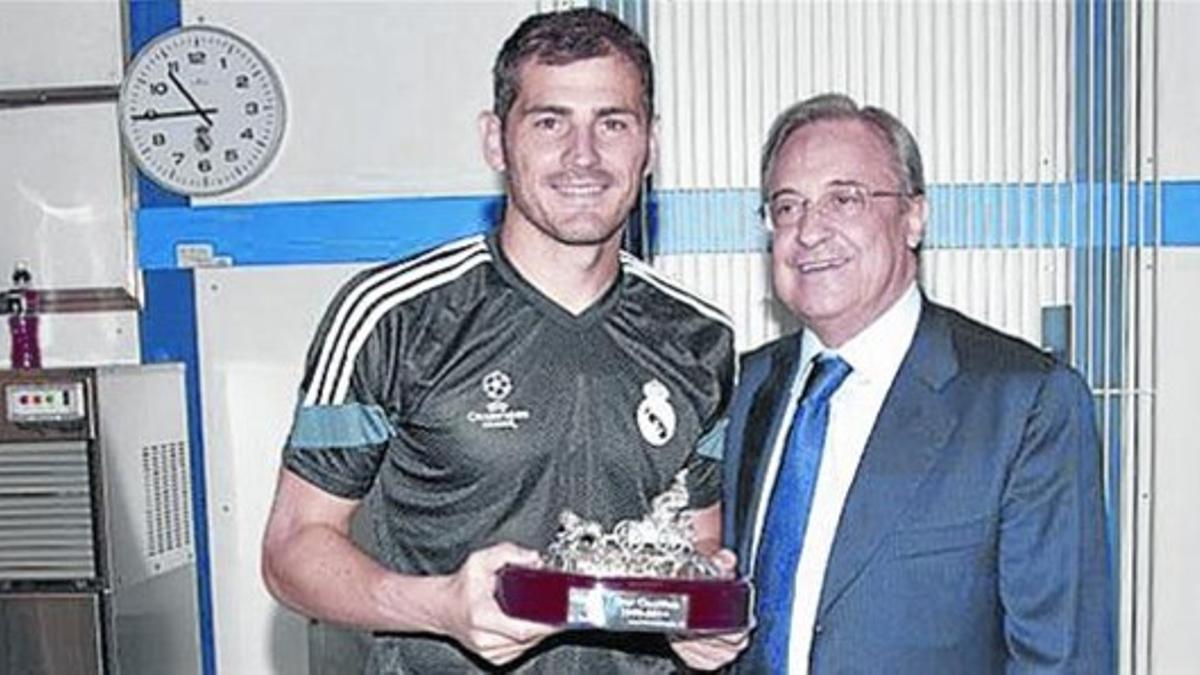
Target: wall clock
202, 111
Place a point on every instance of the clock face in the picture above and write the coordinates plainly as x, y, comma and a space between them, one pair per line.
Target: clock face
202, 112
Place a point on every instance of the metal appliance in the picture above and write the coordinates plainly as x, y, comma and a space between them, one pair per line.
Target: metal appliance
97, 568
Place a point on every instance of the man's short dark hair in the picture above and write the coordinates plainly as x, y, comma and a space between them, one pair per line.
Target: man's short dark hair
560, 38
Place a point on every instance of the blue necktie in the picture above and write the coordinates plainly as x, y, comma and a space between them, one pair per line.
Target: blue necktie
787, 518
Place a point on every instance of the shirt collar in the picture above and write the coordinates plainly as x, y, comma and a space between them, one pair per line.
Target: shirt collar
876, 352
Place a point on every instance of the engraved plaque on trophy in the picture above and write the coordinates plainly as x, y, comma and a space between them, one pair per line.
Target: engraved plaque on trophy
644, 575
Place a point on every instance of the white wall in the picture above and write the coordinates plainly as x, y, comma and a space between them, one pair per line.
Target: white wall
1179, 147
254, 325
1175, 589
63, 215
1172, 496
983, 86
382, 96
78, 42
63, 203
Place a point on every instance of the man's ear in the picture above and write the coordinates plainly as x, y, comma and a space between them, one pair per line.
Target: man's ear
652, 151
491, 134
915, 219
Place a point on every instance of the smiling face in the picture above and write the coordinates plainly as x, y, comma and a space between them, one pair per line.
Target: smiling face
574, 149
838, 275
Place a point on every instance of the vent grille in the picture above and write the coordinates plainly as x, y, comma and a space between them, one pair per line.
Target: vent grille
168, 498
45, 512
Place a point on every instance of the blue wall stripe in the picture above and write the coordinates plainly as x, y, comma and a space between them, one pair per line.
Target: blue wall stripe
151, 196
714, 221
1181, 213
724, 221
147, 19
311, 232
685, 221
707, 221
168, 334
1033, 215
1099, 77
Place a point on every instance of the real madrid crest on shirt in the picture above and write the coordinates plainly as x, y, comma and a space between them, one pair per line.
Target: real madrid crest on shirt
655, 414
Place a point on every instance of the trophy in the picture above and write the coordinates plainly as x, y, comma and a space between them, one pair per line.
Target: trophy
644, 575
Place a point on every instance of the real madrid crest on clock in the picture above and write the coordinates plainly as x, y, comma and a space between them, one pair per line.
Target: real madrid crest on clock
202, 111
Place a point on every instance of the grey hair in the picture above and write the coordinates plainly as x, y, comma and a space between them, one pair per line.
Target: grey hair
906, 156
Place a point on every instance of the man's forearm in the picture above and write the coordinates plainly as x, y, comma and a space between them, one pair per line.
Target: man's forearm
321, 573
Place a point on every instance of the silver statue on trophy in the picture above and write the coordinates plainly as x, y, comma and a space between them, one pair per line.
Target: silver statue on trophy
658, 545
644, 575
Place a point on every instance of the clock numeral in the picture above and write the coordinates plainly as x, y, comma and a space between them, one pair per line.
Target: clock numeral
173, 66
159, 139
197, 58
231, 155
247, 134
242, 81
224, 63
158, 88
204, 166
178, 157
252, 108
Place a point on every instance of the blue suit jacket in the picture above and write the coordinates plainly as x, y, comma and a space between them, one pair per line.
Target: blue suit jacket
973, 536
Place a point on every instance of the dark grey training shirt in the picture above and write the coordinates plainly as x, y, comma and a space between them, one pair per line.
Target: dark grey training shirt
479, 410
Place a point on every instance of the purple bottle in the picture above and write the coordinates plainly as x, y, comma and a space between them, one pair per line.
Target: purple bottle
26, 353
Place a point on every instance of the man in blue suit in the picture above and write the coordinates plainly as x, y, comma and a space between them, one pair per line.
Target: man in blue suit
912, 491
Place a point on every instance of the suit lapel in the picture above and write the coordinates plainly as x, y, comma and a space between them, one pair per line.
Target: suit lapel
913, 425
764, 424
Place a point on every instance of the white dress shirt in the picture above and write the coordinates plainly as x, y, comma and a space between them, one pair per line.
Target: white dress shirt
875, 355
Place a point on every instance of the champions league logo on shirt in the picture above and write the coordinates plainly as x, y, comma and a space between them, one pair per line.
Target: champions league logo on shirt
655, 416
497, 385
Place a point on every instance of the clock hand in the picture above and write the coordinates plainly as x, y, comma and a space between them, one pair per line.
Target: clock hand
152, 114
195, 106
